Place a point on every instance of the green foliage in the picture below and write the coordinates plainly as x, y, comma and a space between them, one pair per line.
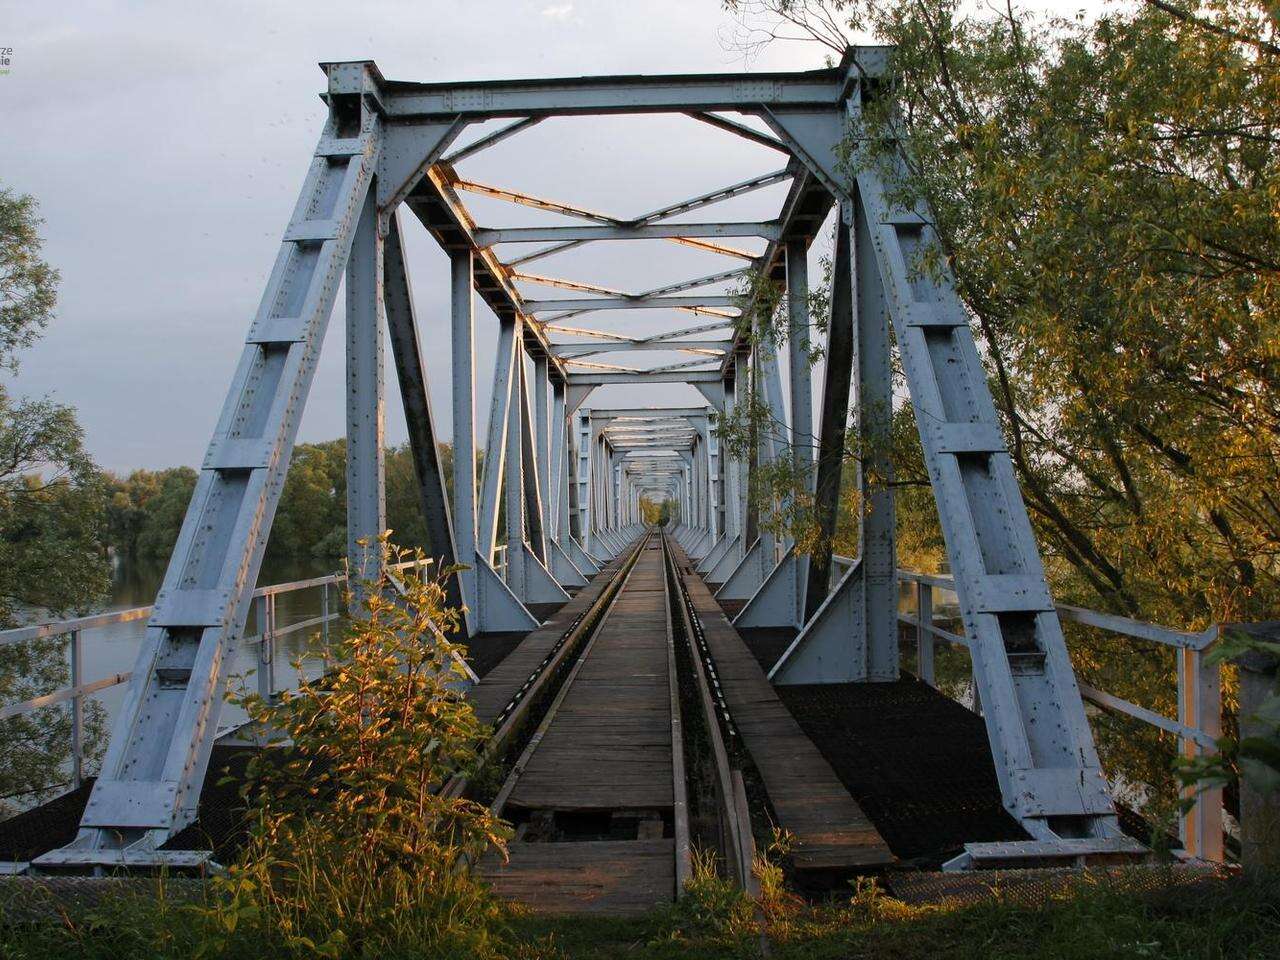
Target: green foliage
353, 848
1120, 915
1106, 193
147, 507
52, 502
655, 513
28, 285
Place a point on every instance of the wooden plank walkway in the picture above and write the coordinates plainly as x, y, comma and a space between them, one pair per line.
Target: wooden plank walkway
831, 831
606, 751
612, 877
498, 686
609, 746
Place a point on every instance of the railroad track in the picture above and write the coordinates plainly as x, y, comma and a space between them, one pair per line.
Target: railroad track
598, 791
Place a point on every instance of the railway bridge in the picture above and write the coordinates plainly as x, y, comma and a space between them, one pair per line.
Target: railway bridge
624, 643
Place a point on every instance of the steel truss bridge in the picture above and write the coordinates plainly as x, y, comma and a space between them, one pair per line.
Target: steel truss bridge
569, 477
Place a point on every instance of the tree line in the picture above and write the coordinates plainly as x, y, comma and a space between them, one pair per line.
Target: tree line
143, 510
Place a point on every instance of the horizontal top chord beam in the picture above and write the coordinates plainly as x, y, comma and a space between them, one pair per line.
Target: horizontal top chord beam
674, 93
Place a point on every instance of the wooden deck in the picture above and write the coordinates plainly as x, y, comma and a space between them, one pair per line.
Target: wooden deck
831, 831
496, 688
609, 747
613, 877
605, 751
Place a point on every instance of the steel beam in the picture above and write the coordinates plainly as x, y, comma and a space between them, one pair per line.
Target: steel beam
588, 305
366, 417
411, 372
628, 94
148, 787
488, 236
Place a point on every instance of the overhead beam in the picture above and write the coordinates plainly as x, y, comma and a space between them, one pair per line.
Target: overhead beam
488, 141
585, 305
621, 94
487, 237
435, 203
742, 130
646, 413
529, 200
584, 349
641, 376
684, 206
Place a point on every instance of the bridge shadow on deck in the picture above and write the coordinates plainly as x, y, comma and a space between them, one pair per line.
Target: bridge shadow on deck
917, 762
221, 825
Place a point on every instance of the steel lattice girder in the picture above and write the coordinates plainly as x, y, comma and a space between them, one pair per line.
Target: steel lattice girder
386, 143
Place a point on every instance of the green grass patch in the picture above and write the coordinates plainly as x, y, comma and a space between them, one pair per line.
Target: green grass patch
1097, 917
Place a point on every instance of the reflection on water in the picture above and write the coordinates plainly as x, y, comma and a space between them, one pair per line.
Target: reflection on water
114, 648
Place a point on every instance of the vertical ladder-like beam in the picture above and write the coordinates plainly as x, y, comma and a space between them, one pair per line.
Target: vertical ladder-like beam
366, 387
149, 784
1048, 768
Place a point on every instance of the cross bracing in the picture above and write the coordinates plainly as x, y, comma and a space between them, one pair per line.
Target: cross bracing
569, 476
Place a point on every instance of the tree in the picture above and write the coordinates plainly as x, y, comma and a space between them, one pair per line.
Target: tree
1105, 193
145, 511
52, 509
353, 844
28, 285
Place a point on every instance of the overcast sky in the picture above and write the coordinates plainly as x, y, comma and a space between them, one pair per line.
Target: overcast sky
166, 143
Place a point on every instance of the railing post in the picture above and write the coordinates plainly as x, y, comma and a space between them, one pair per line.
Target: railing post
924, 632
324, 612
77, 714
1200, 707
266, 666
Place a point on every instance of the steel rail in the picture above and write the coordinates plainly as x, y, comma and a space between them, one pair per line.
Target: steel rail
515, 714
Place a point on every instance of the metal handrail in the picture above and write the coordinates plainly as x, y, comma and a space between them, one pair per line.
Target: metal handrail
264, 598
1197, 726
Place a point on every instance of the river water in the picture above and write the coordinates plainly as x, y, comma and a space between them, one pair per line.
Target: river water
114, 648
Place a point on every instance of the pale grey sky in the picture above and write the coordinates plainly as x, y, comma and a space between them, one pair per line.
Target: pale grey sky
166, 142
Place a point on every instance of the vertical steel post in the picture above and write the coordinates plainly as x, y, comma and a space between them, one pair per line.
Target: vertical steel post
834, 416
742, 397
504, 392
924, 632
801, 386
266, 642
533, 466
366, 493
542, 435
514, 473
77, 712
324, 614
875, 469
557, 494
464, 419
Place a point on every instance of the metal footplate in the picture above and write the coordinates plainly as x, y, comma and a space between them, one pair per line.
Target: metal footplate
1064, 852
